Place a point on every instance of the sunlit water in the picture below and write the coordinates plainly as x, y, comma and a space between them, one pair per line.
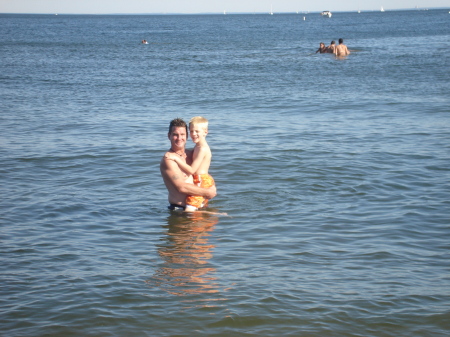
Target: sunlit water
335, 175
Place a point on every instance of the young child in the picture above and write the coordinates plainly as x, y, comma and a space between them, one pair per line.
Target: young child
201, 159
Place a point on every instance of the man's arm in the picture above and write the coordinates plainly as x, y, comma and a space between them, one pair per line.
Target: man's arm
172, 173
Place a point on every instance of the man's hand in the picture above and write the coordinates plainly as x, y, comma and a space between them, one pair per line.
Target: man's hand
212, 192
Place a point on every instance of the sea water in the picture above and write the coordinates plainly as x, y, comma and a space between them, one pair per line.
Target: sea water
335, 174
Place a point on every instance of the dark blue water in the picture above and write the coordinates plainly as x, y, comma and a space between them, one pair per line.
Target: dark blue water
335, 175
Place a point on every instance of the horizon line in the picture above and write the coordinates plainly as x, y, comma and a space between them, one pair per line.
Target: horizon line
236, 13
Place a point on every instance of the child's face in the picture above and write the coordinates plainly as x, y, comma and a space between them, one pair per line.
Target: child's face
198, 132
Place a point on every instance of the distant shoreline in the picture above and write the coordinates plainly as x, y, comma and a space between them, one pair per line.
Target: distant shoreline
243, 13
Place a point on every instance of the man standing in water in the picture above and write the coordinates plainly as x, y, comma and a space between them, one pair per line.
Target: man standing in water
178, 183
341, 49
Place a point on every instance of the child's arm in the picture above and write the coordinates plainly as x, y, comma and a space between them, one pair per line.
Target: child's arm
199, 155
185, 167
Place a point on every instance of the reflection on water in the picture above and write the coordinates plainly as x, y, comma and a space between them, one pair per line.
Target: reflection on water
185, 253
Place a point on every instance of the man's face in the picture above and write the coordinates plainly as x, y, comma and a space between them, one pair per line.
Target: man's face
178, 137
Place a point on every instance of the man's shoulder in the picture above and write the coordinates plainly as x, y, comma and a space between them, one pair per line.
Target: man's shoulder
164, 160
164, 156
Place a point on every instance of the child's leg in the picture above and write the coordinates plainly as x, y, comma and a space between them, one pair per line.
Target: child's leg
190, 208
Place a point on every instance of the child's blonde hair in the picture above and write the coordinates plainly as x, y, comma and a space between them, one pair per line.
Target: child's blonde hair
199, 120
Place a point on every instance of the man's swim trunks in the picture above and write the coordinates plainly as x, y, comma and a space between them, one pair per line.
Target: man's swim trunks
175, 207
202, 180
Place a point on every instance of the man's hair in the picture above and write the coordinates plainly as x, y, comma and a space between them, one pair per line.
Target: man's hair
199, 120
178, 123
341, 41
333, 42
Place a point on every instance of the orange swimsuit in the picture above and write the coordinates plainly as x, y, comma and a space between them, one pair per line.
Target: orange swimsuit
202, 180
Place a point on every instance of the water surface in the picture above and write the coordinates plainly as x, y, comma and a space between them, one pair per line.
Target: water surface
335, 174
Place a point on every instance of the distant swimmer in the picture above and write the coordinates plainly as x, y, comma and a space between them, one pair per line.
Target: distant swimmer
144, 42
331, 48
341, 49
322, 49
